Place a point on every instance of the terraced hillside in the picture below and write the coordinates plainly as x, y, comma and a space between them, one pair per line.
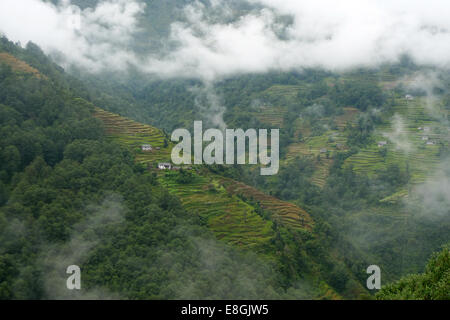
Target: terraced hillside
283, 91
134, 134
349, 115
278, 97
230, 218
413, 135
272, 116
213, 197
414, 131
19, 66
287, 213
332, 140
320, 148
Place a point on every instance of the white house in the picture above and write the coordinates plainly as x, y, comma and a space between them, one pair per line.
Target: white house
425, 138
146, 147
409, 97
382, 143
430, 142
323, 150
164, 166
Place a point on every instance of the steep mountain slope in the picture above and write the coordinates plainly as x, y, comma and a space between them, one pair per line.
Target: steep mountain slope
389, 153
331, 164
237, 214
17, 65
74, 180
433, 284
340, 202
134, 135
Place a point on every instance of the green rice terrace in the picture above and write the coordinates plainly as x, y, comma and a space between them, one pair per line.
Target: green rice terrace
288, 92
230, 218
233, 210
272, 116
134, 135
286, 213
278, 96
410, 137
230, 207
320, 148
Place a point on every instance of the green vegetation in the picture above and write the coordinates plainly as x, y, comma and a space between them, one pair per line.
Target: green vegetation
133, 135
433, 284
285, 213
406, 148
76, 187
237, 214
334, 168
231, 219
73, 191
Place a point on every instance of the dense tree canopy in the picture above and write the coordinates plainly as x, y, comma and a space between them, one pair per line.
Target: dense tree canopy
433, 284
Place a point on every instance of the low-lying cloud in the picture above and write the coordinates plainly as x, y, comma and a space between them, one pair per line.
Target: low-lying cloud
95, 38
325, 33
55, 258
398, 135
433, 194
335, 35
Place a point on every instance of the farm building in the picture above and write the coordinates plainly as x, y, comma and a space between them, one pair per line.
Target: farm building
425, 138
146, 147
164, 166
382, 143
323, 150
409, 97
430, 143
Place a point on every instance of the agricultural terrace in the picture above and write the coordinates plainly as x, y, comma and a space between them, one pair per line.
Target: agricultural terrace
286, 213
133, 135
413, 141
230, 218
19, 66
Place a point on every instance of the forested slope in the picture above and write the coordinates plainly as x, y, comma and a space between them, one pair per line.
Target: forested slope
433, 284
76, 189
70, 194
